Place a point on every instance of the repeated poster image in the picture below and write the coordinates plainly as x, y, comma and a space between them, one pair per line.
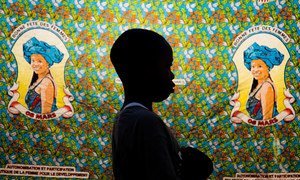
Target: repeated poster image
204, 35
262, 98
40, 91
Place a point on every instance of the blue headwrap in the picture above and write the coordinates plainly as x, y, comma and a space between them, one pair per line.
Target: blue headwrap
50, 53
270, 56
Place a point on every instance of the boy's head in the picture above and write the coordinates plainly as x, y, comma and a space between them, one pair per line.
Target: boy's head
142, 59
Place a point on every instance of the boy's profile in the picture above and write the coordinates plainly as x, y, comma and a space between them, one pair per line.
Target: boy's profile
143, 147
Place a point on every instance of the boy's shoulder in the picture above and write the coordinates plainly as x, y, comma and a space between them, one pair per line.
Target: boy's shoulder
140, 115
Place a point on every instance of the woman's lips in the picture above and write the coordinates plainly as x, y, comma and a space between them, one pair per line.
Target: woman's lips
256, 74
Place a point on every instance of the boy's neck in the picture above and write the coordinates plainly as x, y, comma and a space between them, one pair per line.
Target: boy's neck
143, 101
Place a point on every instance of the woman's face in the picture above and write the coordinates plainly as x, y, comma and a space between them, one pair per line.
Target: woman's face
38, 64
259, 69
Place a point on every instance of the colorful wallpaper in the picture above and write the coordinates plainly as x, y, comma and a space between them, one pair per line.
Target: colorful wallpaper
203, 35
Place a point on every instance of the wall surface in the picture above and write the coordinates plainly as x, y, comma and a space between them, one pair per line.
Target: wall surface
208, 38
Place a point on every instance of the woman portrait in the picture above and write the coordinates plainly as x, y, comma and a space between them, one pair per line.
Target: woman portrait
259, 60
41, 94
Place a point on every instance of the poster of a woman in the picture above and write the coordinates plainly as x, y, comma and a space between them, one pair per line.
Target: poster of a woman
40, 91
41, 94
261, 104
262, 97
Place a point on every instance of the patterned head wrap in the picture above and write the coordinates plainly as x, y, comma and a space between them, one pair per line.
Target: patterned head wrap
270, 56
50, 53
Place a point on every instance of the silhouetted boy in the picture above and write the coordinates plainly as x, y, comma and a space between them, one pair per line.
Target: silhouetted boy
142, 146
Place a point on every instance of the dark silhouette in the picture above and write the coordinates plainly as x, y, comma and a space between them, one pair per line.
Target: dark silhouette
195, 164
143, 147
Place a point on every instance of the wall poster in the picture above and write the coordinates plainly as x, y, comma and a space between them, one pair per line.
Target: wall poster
236, 65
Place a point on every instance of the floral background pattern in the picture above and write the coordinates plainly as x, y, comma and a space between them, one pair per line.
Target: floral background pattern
201, 34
